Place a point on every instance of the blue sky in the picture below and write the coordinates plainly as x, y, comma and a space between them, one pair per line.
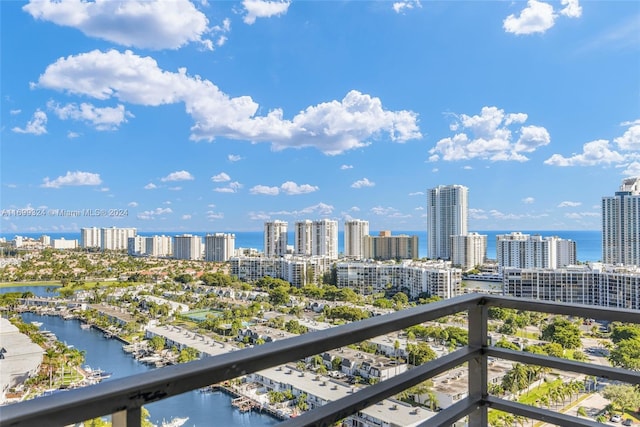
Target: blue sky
217, 116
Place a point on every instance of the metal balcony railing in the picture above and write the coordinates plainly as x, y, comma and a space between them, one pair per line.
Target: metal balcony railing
123, 398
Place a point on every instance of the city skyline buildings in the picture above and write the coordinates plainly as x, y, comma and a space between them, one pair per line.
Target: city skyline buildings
204, 108
447, 216
621, 224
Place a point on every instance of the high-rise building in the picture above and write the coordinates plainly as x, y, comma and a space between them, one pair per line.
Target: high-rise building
90, 237
468, 251
187, 246
276, 238
385, 246
354, 231
324, 238
115, 239
447, 210
219, 246
159, 246
526, 251
621, 224
302, 235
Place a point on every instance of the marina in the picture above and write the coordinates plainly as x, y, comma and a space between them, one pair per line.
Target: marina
110, 356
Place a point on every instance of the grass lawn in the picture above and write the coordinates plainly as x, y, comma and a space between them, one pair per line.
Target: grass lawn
20, 284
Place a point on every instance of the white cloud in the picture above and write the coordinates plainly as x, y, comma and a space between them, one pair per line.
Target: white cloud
633, 169
487, 136
150, 186
581, 215
388, 211
528, 200
221, 177
133, 204
346, 167
401, 6
107, 118
211, 215
572, 8
185, 217
263, 9
36, 126
331, 127
177, 188
630, 140
263, 189
73, 179
417, 193
73, 135
291, 188
594, 153
537, 17
232, 187
361, 183
569, 204
153, 214
234, 158
15, 112
141, 23
178, 176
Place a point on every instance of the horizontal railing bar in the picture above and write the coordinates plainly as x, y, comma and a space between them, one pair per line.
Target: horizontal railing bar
541, 414
579, 310
333, 411
132, 392
453, 413
624, 375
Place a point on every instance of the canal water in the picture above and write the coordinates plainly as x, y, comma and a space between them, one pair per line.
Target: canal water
203, 409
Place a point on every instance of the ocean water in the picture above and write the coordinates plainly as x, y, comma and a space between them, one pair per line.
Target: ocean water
588, 242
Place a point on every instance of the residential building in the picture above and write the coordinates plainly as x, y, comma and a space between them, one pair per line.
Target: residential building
219, 246
275, 238
526, 251
324, 238
468, 251
64, 244
447, 212
594, 284
115, 239
355, 231
434, 278
386, 247
137, 245
302, 238
299, 271
90, 237
159, 246
621, 224
187, 246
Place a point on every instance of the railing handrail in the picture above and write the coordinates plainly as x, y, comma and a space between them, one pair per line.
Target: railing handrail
128, 395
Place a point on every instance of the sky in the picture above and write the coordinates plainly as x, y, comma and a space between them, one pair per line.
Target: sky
217, 116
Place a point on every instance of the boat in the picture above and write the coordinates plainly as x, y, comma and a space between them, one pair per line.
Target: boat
175, 422
85, 326
97, 374
36, 323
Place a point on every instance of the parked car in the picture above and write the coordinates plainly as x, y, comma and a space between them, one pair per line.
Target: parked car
615, 418
627, 422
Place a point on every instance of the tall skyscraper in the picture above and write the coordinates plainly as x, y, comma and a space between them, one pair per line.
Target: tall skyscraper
115, 239
275, 238
324, 238
447, 210
90, 237
219, 246
526, 251
621, 224
302, 238
354, 231
187, 246
469, 250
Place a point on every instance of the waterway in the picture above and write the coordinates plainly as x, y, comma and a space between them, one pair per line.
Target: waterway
203, 409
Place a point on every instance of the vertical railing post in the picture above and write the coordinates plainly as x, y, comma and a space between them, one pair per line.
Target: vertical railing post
478, 337
127, 418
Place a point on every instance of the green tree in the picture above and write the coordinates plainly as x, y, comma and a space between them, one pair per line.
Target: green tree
563, 332
626, 354
157, 342
625, 396
420, 353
